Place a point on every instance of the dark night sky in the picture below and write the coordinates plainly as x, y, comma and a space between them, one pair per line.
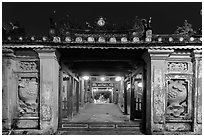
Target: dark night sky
165, 16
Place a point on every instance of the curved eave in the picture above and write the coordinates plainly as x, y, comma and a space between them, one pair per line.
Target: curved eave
144, 45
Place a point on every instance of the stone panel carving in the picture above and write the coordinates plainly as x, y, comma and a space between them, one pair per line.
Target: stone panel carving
177, 66
27, 95
177, 94
173, 127
46, 113
179, 97
27, 66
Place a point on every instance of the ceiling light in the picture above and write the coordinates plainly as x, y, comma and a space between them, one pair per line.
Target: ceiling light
85, 77
140, 84
102, 78
118, 79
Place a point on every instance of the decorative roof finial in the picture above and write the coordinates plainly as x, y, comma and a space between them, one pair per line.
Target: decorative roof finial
101, 22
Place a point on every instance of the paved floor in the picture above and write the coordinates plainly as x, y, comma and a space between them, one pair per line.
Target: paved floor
99, 119
104, 112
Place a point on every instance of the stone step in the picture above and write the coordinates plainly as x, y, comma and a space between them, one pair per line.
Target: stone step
135, 132
100, 126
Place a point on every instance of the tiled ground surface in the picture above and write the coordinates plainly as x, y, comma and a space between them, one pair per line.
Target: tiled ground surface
101, 113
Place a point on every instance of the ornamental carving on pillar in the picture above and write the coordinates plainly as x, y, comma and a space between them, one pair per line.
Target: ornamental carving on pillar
46, 113
27, 66
28, 96
177, 66
177, 94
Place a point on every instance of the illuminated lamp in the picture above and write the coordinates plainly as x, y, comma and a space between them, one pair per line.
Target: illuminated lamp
32, 38
9, 38
118, 79
201, 39
56, 39
79, 39
102, 78
44, 38
101, 39
20, 38
85, 77
124, 39
160, 39
68, 39
113, 40
136, 39
181, 39
90, 39
192, 39
171, 39
140, 84
128, 86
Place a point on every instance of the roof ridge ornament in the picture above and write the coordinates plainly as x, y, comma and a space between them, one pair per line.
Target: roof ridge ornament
186, 29
101, 22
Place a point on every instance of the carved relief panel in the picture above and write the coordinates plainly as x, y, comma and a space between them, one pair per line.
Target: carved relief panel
179, 97
28, 96
28, 93
179, 67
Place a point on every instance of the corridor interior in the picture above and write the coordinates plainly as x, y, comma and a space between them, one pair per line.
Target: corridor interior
100, 86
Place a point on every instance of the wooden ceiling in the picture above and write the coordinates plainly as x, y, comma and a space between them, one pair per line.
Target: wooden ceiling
108, 62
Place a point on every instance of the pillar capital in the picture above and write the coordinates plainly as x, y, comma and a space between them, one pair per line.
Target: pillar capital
48, 53
7, 53
159, 54
197, 53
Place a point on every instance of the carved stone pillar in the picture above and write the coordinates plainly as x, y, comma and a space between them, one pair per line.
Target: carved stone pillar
179, 92
197, 99
155, 94
49, 82
8, 88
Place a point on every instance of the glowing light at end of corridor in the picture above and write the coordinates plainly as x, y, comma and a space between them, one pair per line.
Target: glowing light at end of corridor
140, 85
118, 79
85, 77
103, 79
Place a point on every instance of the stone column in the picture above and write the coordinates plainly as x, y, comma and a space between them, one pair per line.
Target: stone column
9, 88
155, 93
49, 90
197, 70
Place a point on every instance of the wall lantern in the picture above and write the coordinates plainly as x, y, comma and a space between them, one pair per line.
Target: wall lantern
201, 39
85, 77
118, 79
